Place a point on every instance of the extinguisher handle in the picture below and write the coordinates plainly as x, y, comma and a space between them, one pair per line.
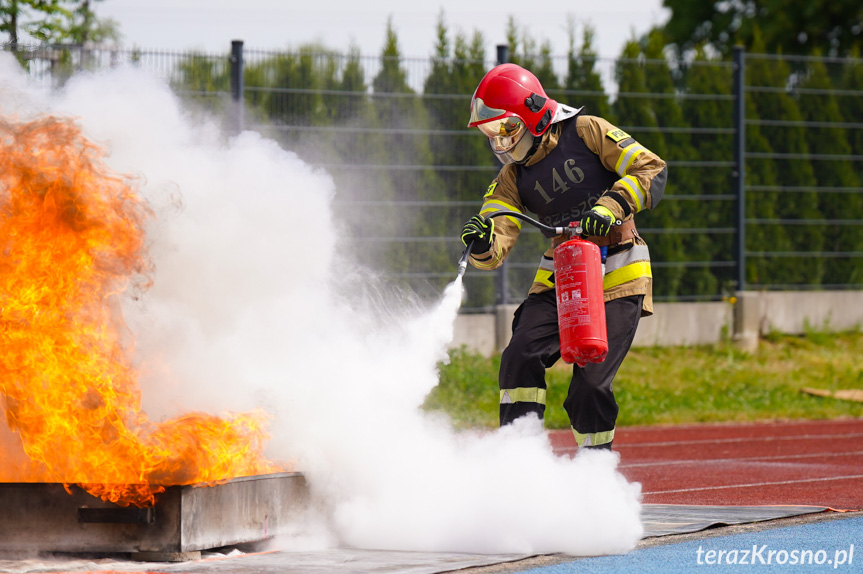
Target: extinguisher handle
576, 229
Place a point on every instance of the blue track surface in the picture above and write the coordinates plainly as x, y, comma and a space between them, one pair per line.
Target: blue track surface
836, 544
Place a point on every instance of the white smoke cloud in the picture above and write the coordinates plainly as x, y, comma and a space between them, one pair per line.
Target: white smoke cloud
247, 310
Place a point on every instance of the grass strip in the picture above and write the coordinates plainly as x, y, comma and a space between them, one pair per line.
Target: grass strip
676, 385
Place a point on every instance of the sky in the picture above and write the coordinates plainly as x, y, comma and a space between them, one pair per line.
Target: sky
211, 25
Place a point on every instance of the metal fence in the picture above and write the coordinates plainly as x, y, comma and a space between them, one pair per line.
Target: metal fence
763, 154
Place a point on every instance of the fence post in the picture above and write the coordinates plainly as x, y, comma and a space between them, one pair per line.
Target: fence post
748, 307
740, 162
237, 83
502, 274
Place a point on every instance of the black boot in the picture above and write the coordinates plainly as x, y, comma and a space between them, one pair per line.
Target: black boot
606, 446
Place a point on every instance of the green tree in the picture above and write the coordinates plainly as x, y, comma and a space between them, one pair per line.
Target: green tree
637, 113
852, 111
42, 20
524, 52
410, 175
446, 94
761, 270
316, 99
447, 91
630, 108
296, 89
583, 83
762, 171
347, 131
832, 26
706, 108
398, 107
819, 104
55, 21
794, 172
685, 181
84, 26
352, 103
543, 68
196, 74
852, 106
439, 84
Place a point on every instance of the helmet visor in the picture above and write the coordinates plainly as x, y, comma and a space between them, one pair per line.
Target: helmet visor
479, 112
503, 134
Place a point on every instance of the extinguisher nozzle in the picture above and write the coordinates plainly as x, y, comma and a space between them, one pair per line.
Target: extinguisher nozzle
462, 262
462, 267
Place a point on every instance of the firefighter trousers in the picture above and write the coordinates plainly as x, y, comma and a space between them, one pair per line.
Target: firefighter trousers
535, 346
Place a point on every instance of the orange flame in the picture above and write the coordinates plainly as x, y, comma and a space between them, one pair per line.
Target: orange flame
72, 236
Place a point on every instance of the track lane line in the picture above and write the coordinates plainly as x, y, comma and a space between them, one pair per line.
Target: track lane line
742, 459
617, 446
752, 485
733, 440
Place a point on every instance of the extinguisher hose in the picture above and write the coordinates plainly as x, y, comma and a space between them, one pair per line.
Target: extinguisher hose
462, 262
535, 223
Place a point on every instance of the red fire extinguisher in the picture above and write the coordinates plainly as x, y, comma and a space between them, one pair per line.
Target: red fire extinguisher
580, 297
580, 302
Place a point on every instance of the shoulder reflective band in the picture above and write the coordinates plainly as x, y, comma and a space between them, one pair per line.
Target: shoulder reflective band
522, 395
635, 190
627, 156
495, 205
594, 438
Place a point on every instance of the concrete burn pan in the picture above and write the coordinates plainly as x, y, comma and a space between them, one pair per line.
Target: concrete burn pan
43, 517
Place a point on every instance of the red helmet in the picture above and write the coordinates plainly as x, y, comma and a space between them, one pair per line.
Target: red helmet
508, 103
509, 91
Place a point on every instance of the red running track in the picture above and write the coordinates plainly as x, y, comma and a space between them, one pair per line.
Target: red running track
818, 463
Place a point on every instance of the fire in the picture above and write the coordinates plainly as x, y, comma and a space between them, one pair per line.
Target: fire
73, 243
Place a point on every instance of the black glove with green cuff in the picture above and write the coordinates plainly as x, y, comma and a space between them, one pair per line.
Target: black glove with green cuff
479, 230
597, 221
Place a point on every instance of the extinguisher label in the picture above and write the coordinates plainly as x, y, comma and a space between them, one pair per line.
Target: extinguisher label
573, 308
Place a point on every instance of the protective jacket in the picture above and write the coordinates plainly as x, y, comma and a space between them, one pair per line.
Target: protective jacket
580, 162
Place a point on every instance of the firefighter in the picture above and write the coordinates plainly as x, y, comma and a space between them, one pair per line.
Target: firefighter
563, 166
